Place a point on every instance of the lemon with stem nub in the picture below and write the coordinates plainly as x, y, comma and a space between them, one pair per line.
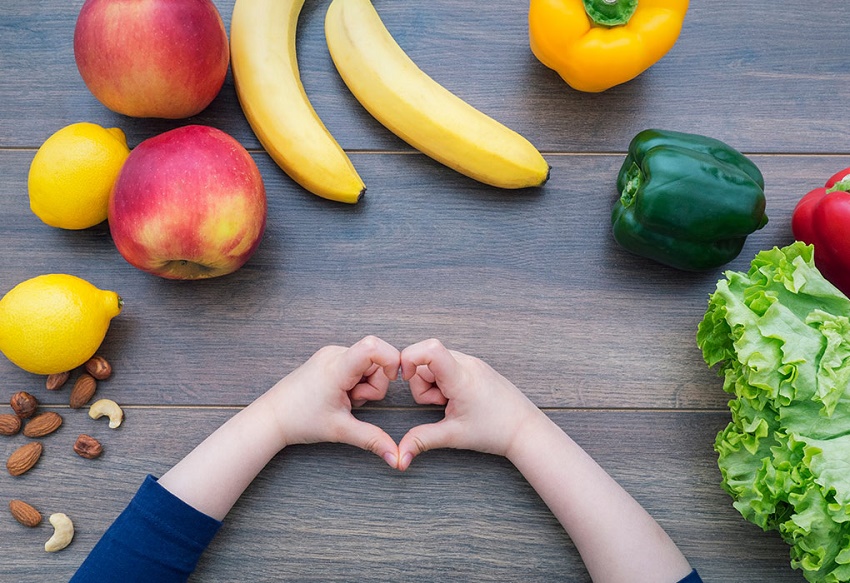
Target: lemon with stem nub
73, 172
54, 323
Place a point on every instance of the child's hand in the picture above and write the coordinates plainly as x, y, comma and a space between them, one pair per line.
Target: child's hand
313, 403
484, 411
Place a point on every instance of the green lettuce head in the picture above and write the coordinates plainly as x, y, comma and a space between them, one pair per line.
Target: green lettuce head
780, 335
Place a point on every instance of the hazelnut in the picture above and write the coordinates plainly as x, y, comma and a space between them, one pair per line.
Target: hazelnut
98, 367
23, 404
88, 447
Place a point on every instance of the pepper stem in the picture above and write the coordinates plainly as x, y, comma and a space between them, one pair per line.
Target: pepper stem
610, 12
842, 185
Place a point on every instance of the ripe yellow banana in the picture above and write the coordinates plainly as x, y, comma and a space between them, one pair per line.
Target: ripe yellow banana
419, 110
268, 84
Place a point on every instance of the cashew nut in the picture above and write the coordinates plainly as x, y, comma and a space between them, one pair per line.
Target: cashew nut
63, 532
109, 408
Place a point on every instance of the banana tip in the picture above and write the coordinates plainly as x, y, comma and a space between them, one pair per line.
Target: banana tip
548, 174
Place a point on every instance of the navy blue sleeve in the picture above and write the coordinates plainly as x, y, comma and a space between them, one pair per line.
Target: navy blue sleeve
693, 577
158, 537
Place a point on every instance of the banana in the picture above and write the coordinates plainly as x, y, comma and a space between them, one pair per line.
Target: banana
269, 88
419, 110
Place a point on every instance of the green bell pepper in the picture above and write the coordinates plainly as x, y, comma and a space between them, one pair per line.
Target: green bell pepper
686, 200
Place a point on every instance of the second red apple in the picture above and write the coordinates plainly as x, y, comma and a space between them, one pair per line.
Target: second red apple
188, 204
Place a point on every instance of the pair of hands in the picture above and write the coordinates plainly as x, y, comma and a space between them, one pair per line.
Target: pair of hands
484, 411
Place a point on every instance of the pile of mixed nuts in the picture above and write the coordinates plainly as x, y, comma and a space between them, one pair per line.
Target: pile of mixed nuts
38, 425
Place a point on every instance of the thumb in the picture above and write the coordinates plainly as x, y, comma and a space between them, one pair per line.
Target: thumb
423, 438
370, 438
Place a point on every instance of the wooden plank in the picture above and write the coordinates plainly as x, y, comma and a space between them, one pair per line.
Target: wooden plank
335, 513
533, 283
763, 87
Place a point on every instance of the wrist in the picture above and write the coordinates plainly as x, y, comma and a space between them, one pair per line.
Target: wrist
263, 421
529, 434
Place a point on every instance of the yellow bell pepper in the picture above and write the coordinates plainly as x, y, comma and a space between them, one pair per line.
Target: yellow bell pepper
597, 44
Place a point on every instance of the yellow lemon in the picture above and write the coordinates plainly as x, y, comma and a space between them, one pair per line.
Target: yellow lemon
54, 323
72, 174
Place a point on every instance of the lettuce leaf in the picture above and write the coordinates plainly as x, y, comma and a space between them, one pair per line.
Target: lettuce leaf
780, 337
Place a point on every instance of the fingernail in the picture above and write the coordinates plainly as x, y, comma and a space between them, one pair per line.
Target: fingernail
405, 460
391, 459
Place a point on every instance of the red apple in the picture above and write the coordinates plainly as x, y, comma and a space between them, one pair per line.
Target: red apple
188, 204
152, 58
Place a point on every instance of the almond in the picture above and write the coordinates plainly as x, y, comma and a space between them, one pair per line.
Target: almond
24, 513
9, 424
24, 458
56, 380
23, 404
88, 447
43, 424
99, 367
83, 391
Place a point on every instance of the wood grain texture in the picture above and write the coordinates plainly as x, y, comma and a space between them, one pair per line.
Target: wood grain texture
335, 513
530, 281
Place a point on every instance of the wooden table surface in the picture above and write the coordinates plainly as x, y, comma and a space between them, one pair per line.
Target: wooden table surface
532, 282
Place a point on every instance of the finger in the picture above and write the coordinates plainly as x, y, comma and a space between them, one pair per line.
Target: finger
367, 391
426, 374
423, 438
370, 438
358, 360
377, 376
430, 353
433, 396
425, 392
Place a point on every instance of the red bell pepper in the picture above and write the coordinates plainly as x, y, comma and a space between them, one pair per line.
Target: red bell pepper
822, 219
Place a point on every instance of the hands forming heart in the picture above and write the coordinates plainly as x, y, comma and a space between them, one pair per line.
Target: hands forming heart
484, 411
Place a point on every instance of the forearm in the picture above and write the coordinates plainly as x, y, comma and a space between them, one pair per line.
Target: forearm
213, 476
157, 537
617, 539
